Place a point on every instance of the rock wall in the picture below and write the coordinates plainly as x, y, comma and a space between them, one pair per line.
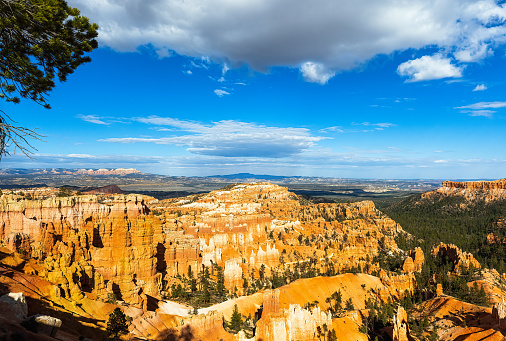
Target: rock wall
499, 314
497, 184
414, 262
233, 274
460, 259
401, 328
79, 237
294, 323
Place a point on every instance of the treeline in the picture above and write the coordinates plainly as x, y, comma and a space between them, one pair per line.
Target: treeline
455, 220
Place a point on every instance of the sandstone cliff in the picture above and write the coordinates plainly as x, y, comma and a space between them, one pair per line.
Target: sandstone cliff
94, 248
497, 184
472, 190
456, 256
86, 242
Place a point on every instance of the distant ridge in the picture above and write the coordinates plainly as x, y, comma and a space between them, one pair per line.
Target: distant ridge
111, 189
249, 176
495, 184
65, 171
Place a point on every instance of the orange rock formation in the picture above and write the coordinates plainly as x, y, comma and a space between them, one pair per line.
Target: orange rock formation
86, 245
460, 259
414, 261
497, 184
294, 323
89, 247
401, 328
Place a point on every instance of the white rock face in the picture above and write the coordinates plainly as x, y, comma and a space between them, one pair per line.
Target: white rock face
303, 323
16, 303
232, 274
47, 324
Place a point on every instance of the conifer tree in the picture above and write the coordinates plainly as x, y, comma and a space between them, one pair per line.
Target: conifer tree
236, 320
117, 323
40, 41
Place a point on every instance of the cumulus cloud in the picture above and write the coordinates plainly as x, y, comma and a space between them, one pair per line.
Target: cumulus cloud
480, 87
221, 93
429, 68
331, 36
92, 119
316, 73
230, 138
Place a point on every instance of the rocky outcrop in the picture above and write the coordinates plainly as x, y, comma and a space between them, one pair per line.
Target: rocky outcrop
472, 190
456, 256
15, 305
439, 289
233, 274
207, 327
401, 328
499, 314
497, 184
414, 261
294, 323
44, 324
79, 237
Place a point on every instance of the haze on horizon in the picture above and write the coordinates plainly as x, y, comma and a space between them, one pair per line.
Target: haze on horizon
386, 89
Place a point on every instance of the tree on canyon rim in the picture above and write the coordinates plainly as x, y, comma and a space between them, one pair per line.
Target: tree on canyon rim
40, 40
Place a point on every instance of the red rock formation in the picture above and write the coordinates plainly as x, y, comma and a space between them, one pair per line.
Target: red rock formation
117, 171
78, 237
497, 184
474, 190
233, 274
414, 262
293, 323
439, 289
401, 328
460, 259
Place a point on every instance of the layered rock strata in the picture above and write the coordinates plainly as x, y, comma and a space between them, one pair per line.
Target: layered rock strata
87, 243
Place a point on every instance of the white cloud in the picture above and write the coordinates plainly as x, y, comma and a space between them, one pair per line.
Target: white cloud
337, 129
381, 125
480, 87
316, 73
92, 119
337, 34
224, 69
221, 93
483, 105
429, 68
482, 113
230, 138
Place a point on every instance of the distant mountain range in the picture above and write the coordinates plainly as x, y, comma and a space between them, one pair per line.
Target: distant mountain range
65, 171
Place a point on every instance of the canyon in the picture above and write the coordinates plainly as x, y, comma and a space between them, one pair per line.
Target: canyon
280, 259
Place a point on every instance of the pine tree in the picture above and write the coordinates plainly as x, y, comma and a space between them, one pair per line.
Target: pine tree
236, 320
220, 286
117, 323
41, 42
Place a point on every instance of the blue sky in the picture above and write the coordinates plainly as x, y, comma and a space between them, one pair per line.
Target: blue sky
345, 89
